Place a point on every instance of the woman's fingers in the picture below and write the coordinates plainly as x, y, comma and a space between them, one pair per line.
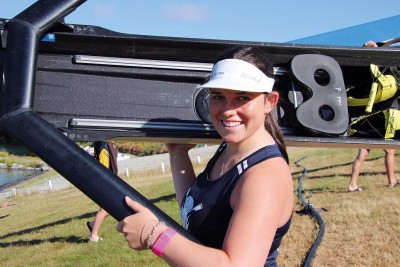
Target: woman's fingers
141, 215
120, 226
134, 205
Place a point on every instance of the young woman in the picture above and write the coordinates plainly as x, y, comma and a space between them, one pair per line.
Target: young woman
240, 206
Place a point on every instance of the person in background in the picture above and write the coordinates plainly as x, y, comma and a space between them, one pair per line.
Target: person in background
106, 154
240, 206
359, 161
363, 154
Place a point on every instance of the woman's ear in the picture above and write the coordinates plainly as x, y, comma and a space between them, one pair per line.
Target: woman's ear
271, 100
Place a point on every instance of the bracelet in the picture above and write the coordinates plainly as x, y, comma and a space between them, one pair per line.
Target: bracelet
162, 241
150, 236
144, 227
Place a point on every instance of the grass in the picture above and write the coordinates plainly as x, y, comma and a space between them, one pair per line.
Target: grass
361, 227
49, 229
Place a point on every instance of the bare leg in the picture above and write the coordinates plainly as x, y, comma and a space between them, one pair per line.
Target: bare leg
389, 164
357, 165
98, 220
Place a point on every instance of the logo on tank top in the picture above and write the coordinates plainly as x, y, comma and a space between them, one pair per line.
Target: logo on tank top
188, 208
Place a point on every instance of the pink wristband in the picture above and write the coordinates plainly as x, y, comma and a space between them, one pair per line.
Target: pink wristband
162, 241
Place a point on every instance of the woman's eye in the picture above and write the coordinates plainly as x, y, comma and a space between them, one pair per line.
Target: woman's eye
217, 97
243, 98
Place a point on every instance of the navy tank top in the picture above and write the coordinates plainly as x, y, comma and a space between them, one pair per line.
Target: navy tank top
206, 210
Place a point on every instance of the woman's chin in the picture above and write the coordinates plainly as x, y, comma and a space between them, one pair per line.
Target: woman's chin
231, 139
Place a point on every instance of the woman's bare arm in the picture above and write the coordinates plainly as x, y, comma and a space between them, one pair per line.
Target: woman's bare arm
181, 168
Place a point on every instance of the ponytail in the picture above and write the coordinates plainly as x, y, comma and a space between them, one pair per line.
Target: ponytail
271, 125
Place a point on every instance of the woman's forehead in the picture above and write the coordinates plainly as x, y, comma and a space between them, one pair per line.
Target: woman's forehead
232, 92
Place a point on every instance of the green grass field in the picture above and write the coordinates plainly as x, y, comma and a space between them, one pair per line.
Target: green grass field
362, 228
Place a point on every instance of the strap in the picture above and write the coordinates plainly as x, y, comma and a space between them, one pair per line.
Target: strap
392, 122
258, 156
113, 157
387, 85
383, 88
351, 130
395, 73
372, 96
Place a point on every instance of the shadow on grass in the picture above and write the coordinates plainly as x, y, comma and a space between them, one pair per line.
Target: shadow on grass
70, 239
163, 198
337, 166
345, 174
47, 225
20, 243
332, 167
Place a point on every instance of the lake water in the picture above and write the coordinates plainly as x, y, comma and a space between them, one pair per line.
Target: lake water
8, 176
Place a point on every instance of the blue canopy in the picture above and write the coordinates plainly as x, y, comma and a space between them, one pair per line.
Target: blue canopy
379, 30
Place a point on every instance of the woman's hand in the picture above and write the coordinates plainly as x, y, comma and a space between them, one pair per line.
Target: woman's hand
138, 226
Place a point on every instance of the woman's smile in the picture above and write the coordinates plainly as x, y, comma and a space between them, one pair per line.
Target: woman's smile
227, 123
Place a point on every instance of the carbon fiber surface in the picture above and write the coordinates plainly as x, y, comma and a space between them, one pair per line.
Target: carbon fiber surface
154, 95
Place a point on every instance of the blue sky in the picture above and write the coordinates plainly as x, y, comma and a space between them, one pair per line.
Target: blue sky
250, 20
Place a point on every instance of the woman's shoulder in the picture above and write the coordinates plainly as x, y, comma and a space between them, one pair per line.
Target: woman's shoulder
273, 167
269, 182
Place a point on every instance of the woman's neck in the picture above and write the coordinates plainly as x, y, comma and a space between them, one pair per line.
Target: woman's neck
249, 145
235, 152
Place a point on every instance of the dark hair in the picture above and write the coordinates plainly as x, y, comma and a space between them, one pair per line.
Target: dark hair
259, 58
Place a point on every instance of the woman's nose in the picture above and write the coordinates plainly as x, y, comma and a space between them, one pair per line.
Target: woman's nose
229, 110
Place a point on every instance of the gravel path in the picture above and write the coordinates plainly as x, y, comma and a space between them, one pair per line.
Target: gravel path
129, 164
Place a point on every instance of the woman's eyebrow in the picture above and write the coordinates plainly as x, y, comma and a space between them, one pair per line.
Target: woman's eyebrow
215, 92
245, 93
236, 93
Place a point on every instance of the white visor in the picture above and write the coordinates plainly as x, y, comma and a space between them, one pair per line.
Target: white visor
235, 74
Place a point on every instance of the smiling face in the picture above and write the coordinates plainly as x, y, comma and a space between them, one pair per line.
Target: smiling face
239, 116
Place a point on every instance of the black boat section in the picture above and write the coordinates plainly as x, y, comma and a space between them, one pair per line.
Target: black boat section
95, 84
67, 83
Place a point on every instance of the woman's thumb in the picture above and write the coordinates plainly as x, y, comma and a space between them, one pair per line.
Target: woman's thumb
135, 206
